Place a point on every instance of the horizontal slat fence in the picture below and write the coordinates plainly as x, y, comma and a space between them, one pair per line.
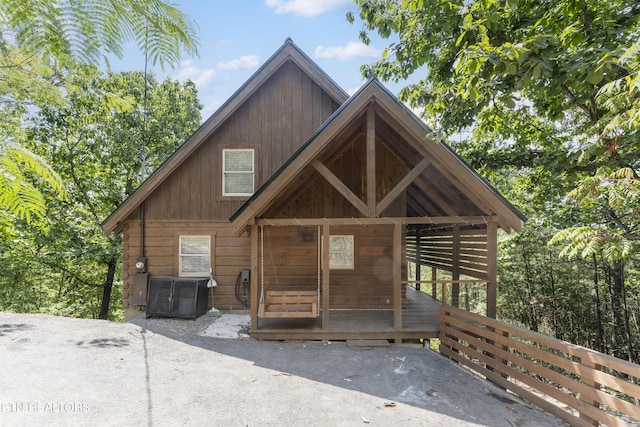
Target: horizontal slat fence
437, 250
586, 387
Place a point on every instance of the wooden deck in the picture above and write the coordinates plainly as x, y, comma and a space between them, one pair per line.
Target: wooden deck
419, 320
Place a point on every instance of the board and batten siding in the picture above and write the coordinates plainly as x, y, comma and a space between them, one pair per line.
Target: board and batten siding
275, 121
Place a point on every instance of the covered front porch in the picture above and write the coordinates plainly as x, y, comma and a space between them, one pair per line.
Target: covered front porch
419, 321
297, 293
334, 230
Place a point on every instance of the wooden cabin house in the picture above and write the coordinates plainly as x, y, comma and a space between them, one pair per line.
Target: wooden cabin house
307, 204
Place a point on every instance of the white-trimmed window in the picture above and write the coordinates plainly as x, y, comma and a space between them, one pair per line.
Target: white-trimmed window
195, 256
237, 172
341, 252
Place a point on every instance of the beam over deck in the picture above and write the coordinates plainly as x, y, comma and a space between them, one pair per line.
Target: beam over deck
436, 220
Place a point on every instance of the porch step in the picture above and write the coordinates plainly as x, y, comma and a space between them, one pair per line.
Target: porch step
367, 343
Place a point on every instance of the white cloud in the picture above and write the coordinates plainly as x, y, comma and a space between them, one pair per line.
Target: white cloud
244, 62
202, 78
353, 90
306, 8
344, 53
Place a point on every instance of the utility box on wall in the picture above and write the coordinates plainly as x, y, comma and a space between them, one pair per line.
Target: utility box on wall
177, 297
139, 295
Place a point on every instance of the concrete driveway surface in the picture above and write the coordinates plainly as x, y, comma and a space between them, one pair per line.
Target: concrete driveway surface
76, 372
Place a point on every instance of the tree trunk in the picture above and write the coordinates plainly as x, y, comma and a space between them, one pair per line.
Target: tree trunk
106, 290
600, 329
627, 326
616, 294
531, 303
554, 304
467, 304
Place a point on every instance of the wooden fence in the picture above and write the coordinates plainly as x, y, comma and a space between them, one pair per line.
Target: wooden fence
580, 386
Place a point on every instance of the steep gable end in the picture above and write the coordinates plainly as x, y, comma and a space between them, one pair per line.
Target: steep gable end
373, 158
278, 107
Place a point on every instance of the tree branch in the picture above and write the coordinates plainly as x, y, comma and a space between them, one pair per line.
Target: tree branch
574, 99
59, 267
85, 196
628, 232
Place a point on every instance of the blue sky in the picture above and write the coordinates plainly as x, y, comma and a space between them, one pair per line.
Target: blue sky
237, 37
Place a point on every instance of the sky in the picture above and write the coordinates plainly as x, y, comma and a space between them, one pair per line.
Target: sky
238, 36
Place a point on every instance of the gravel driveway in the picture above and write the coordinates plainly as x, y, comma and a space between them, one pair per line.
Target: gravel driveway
62, 371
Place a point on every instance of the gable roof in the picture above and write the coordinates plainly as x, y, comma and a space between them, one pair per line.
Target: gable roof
287, 52
414, 131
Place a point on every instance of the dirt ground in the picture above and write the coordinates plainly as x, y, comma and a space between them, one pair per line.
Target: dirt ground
59, 371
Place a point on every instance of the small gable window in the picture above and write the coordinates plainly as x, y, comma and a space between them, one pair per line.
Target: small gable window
237, 172
195, 256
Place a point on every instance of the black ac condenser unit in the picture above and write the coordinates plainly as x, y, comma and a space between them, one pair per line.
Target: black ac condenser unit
177, 297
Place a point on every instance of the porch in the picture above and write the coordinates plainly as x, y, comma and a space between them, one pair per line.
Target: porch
419, 320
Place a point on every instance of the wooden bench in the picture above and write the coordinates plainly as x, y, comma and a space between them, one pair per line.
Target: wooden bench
300, 304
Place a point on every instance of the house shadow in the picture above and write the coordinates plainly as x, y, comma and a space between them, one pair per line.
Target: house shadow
409, 375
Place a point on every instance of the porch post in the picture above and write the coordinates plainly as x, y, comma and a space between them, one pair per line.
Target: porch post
418, 260
371, 163
434, 285
255, 282
492, 263
326, 230
455, 273
397, 276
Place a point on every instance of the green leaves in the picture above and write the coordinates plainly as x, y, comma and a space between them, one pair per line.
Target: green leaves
566, 72
25, 77
64, 257
42, 43
87, 30
588, 241
19, 195
620, 99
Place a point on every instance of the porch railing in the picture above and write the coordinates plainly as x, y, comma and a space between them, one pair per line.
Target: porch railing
580, 386
442, 289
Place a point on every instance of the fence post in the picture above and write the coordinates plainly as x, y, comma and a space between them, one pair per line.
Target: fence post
491, 355
595, 386
505, 347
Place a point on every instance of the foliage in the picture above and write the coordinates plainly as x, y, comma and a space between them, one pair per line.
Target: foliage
621, 100
542, 291
489, 53
87, 30
62, 263
17, 193
43, 44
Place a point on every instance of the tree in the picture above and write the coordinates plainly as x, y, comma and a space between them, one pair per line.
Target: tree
42, 38
546, 92
518, 68
98, 151
43, 42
